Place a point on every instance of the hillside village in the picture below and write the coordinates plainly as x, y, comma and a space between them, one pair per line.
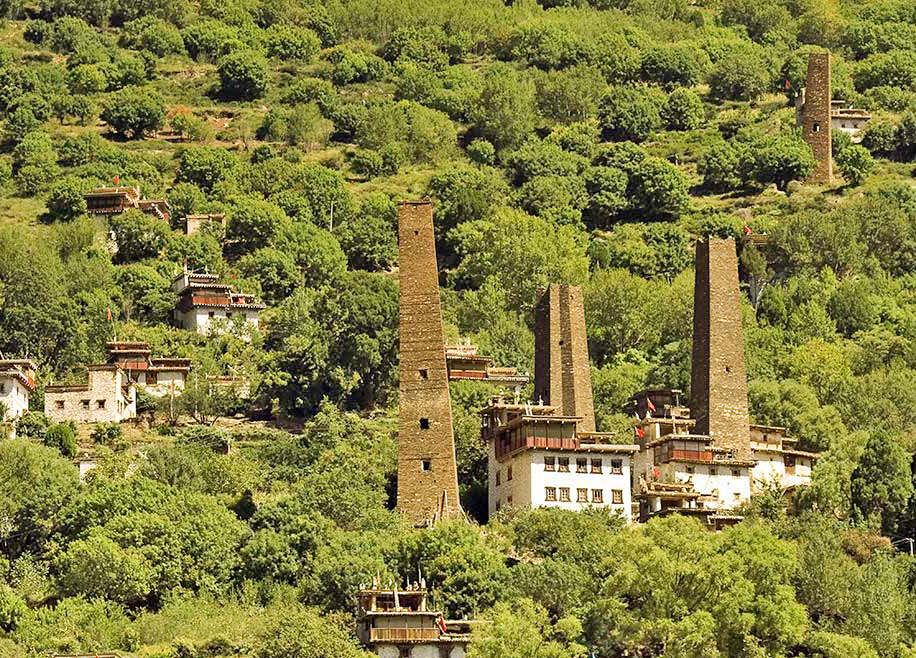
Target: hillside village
542, 329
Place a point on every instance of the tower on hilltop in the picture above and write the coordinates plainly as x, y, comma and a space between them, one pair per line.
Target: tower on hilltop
427, 472
562, 375
718, 384
816, 116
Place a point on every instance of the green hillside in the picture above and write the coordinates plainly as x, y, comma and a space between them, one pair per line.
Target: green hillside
585, 141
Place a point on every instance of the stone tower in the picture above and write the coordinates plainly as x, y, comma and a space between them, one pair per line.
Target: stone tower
427, 474
815, 116
562, 375
718, 383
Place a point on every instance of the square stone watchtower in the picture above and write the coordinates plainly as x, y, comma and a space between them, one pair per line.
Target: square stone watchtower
562, 375
718, 385
427, 472
816, 117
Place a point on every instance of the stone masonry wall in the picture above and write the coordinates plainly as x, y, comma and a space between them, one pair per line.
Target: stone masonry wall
718, 385
427, 472
562, 375
816, 123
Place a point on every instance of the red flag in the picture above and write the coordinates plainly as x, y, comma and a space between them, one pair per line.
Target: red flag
441, 623
117, 180
639, 431
788, 84
650, 405
655, 472
109, 314
747, 230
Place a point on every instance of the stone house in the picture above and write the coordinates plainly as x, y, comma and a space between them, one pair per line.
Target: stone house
202, 300
108, 396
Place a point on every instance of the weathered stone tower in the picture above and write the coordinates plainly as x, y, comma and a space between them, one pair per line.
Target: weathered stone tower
718, 386
562, 375
815, 116
427, 474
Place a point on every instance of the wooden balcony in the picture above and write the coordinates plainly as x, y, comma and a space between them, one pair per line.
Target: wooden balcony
404, 635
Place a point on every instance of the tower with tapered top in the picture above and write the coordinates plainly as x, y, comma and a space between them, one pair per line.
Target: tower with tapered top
718, 387
562, 375
427, 471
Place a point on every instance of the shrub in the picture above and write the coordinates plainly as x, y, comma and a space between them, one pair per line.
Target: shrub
367, 163
63, 437
738, 77
285, 42
243, 75
482, 152
33, 425
855, 163
106, 434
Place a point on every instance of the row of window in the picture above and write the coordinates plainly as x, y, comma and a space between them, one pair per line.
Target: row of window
99, 404
561, 465
550, 494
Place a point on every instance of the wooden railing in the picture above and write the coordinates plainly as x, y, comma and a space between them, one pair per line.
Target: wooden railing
700, 455
404, 634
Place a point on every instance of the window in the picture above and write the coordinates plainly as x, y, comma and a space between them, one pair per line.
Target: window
550, 494
2, 388
498, 474
617, 466
563, 466
737, 495
508, 500
564, 494
617, 496
789, 460
581, 495
426, 464
597, 495
581, 466
712, 470
58, 404
509, 473
549, 463
816, 127
498, 505
228, 315
152, 378
690, 470
596, 466
100, 404
736, 472
85, 403
210, 314
424, 423
424, 373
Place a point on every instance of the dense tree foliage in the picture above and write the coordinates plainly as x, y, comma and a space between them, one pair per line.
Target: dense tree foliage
589, 142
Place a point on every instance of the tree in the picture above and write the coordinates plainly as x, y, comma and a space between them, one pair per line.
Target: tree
205, 166
66, 200
855, 163
504, 112
138, 236
253, 223
683, 110
287, 43
570, 95
628, 113
882, 483
305, 634
522, 629
369, 240
243, 75
98, 567
739, 76
274, 270
674, 65
133, 111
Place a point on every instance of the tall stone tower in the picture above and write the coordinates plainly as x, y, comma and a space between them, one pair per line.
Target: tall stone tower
427, 473
718, 383
815, 116
562, 375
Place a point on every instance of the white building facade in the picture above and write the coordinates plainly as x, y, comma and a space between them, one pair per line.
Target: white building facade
17, 381
206, 306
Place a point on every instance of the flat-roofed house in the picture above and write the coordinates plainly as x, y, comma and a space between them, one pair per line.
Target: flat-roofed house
203, 300
158, 376
108, 396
